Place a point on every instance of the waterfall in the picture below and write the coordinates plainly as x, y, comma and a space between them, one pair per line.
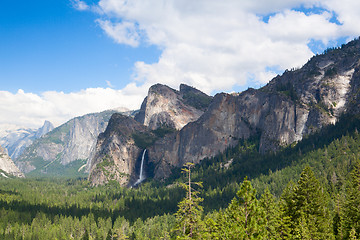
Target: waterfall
141, 175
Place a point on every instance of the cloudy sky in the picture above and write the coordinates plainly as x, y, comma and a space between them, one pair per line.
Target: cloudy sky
61, 59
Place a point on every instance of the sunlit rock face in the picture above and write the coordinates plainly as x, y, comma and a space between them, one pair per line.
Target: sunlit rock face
7, 166
116, 152
165, 106
72, 141
291, 106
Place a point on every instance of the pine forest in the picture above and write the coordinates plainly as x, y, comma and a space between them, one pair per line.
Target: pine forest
309, 190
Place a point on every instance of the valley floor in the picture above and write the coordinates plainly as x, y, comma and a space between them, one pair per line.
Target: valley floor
305, 191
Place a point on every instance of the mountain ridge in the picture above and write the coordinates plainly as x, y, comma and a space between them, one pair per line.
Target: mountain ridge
16, 139
66, 149
291, 106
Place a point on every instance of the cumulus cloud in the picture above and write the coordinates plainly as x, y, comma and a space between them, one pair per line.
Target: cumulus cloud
347, 14
31, 110
216, 45
298, 27
80, 5
210, 44
123, 33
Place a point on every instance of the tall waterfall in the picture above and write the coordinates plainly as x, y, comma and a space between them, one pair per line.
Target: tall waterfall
141, 175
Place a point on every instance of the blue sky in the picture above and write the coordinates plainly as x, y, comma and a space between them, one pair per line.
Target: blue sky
61, 59
49, 45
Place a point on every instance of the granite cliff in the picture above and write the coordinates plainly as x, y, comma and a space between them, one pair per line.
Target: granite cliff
65, 149
289, 107
117, 151
7, 166
168, 107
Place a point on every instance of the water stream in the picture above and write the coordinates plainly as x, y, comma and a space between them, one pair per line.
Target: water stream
141, 175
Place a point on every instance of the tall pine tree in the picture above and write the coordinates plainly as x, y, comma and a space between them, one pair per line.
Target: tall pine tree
352, 204
188, 217
272, 216
244, 218
307, 208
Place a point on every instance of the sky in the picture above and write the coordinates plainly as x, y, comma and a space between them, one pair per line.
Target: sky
67, 58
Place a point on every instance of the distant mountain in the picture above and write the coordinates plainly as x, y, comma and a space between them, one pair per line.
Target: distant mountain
7, 166
47, 127
294, 105
66, 149
16, 139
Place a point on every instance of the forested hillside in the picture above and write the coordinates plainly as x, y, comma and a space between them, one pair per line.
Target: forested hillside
308, 190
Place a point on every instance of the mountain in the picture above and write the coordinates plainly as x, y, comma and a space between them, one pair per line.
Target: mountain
7, 166
296, 104
67, 149
117, 151
168, 107
291, 106
16, 139
47, 127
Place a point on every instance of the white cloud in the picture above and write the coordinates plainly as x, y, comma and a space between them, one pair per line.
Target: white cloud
210, 44
347, 12
298, 27
123, 33
216, 45
31, 110
80, 5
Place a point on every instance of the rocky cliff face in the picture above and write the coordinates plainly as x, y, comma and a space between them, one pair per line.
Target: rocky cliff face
70, 142
292, 105
117, 151
16, 139
7, 166
165, 106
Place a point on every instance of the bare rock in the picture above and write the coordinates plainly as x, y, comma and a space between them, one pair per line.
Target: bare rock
116, 151
165, 106
8, 166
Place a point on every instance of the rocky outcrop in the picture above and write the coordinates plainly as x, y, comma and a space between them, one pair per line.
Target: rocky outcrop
291, 106
117, 151
73, 141
167, 107
229, 119
16, 139
47, 127
7, 166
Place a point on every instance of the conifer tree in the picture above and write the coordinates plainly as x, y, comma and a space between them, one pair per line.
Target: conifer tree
352, 204
243, 219
272, 220
338, 219
352, 235
188, 217
286, 206
211, 229
306, 207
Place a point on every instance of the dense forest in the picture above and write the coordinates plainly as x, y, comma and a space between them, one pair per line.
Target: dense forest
309, 190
